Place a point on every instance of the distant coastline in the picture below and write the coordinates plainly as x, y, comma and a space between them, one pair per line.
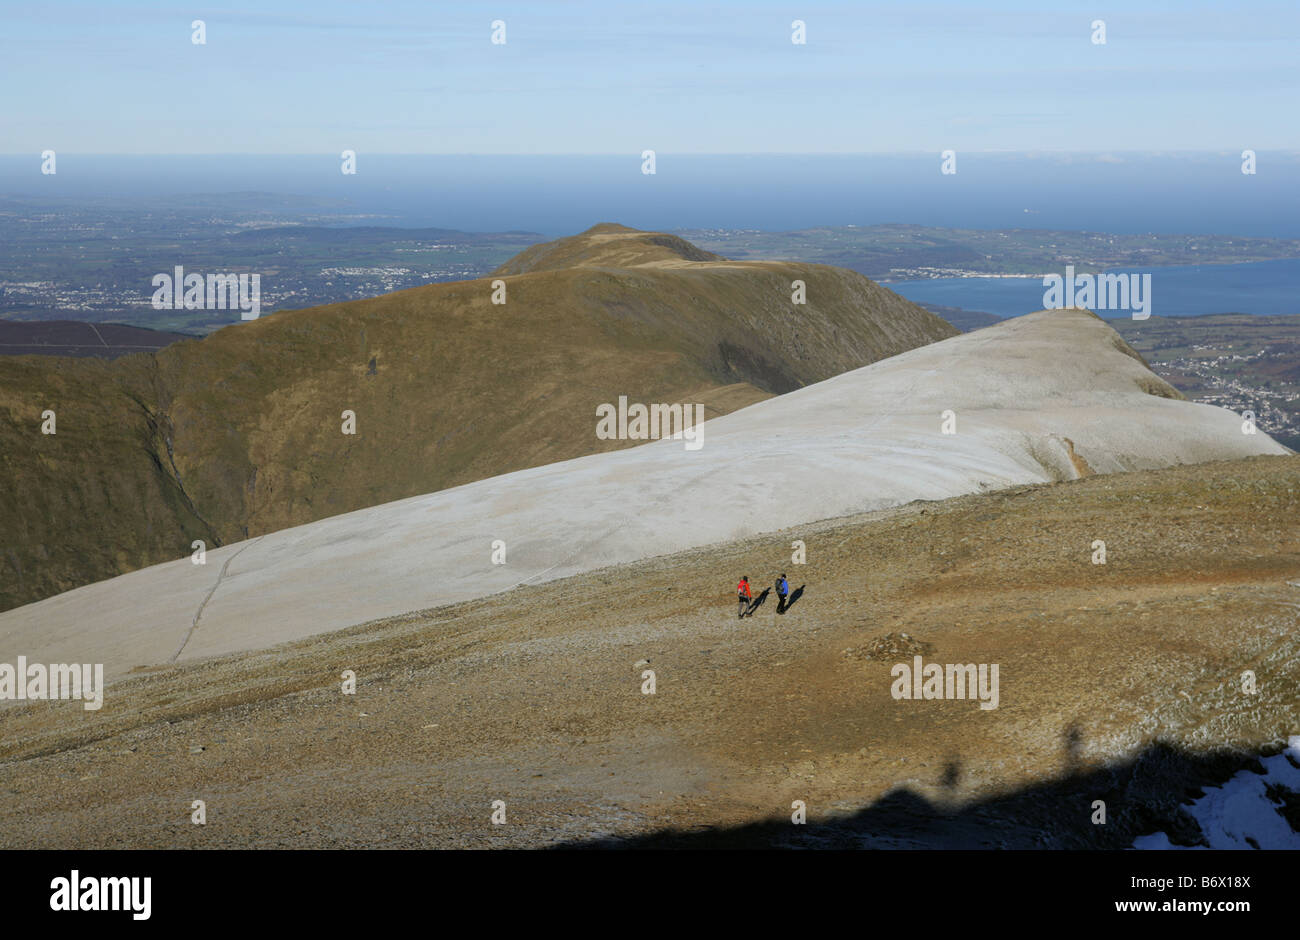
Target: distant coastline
1258, 288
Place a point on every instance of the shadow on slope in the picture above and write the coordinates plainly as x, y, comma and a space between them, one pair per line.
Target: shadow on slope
1142, 795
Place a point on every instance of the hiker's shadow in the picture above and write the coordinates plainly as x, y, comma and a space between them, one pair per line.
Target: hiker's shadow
794, 596
758, 601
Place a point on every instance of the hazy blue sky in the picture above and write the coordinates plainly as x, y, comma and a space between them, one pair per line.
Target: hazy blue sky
677, 77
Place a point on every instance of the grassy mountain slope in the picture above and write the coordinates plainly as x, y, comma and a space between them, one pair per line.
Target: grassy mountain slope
79, 338
1098, 663
239, 434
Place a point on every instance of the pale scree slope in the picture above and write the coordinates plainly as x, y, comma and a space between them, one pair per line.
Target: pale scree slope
1023, 392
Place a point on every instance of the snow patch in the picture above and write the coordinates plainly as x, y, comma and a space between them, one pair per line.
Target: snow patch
1241, 809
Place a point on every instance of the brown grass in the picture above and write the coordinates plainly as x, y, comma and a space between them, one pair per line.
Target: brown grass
533, 697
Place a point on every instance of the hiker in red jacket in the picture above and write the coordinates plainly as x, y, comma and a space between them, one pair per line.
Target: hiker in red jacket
743, 594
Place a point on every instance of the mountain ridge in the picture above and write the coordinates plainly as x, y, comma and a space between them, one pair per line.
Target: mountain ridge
1050, 397
241, 433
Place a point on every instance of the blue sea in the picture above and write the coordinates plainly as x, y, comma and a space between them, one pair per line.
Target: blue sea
1262, 288
553, 195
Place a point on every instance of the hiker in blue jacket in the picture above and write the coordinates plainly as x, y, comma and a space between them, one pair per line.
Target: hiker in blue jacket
782, 591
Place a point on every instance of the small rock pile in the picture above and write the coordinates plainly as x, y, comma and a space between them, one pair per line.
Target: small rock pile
891, 647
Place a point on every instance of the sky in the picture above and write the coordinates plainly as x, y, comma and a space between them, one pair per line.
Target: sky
676, 77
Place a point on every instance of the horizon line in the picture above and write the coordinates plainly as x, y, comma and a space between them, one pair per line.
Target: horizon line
631, 154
